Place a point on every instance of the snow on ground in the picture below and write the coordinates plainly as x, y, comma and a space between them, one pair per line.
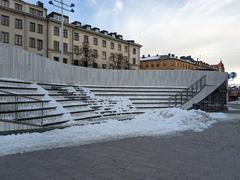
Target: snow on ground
235, 102
152, 123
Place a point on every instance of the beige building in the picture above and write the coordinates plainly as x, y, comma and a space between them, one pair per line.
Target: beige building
28, 26
172, 62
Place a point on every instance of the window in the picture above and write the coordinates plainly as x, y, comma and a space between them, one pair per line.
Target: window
18, 23
56, 59
119, 47
104, 55
40, 29
18, 40
56, 45
65, 47
4, 20
32, 27
32, 42
4, 37
112, 57
95, 41
76, 49
112, 45
95, 53
157, 65
85, 40
134, 61
134, 51
39, 44
125, 49
56, 31
18, 7
76, 36
36, 12
5, 3
104, 43
65, 33
104, 66
65, 60
75, 62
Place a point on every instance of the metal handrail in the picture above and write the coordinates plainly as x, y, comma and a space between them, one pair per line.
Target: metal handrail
195, 88
27, 97
16, 97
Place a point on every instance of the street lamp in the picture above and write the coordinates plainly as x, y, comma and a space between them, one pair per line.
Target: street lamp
61, 5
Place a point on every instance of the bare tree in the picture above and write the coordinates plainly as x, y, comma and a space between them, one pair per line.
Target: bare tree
118, 61
87, 56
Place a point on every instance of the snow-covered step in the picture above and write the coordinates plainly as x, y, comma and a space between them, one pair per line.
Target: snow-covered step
137, 90
27, 113
76, 107
13, 82
13, 126
132, 87
86, 115
151, 106
128, 94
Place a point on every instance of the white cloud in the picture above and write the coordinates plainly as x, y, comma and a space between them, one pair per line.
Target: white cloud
118, 6
206, 28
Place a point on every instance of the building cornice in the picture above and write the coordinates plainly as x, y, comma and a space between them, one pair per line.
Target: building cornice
34, 5
93, 32
22, 13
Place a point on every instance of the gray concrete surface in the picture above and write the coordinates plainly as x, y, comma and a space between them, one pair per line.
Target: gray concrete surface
212, 154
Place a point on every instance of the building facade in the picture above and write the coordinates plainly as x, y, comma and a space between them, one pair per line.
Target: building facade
30, 27
172, 62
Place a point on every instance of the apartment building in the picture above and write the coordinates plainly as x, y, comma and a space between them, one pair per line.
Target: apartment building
24, 25
30, 27
172, 62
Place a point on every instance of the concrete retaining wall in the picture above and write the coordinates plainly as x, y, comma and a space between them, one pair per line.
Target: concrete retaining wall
20, 64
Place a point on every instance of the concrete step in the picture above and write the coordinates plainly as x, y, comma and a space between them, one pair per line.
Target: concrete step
135, 91
9, 82
25, 114
132, 87
29, 109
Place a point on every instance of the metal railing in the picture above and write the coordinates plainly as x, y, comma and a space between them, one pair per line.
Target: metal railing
184, 96
10, 113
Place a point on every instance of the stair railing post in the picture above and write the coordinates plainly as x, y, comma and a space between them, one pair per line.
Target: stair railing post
16, 108
175, 100
181, 94
42, 113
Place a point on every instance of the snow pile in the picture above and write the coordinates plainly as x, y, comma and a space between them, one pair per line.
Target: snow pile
53, 103
115, 104
236, 102
152, 123
69, 89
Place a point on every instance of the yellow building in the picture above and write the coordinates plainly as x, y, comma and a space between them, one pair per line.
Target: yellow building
28, 26
172, 62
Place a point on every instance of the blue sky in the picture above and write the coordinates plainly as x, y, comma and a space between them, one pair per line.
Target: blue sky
205, 29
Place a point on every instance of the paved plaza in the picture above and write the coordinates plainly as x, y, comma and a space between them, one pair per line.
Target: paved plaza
212, 154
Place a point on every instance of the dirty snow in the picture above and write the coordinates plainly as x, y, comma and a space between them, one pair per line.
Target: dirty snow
152, 123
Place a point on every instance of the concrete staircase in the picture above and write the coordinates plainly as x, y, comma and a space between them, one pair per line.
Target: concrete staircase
141, 97
85, 107
29, 106
23, 107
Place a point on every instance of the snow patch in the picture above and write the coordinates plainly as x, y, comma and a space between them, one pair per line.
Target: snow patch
152, 123
67, 116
